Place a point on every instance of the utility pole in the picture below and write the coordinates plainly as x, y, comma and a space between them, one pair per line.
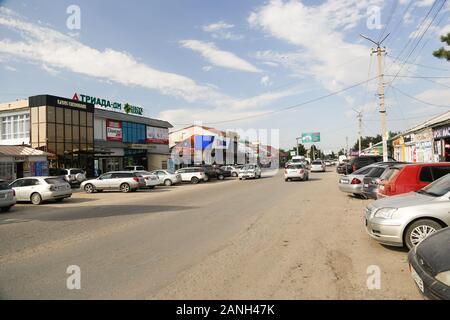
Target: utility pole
298, 147
346, 146
359, 116
379, 51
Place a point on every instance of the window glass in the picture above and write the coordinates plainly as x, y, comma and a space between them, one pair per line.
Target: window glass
425, 174
68, 116
67, 133
42, 114
82, 118
17, 183
51, 116
83, 134
54, 180
42, 133
90, 135
105, 176
59, 133
34, 115
438, 188
439, 172
59, 115
60, 148
76, 134
75, 117
90, 119
376, 172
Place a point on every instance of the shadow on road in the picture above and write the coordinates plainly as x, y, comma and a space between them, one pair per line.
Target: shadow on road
108, 211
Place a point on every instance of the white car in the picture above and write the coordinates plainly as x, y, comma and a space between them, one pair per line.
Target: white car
7, 196
250, 171
296, 172
318, 166
192, 174
234, 170
167, 178
39, 189
151, 179
124, 181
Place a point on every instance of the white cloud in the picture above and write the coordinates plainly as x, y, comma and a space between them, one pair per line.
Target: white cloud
219, 57
319, 34
221, 30
57, 51
265, 81
207, 68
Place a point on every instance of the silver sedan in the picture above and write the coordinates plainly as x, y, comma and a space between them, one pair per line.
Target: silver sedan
408, 219
39, 189
353, 183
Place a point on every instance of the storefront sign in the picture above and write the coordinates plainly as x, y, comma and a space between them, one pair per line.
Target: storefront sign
107, 104
113, 130
441, 132
157, 135
48, 100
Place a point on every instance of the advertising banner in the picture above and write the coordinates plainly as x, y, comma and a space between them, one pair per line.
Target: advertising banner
113, 130
157, 135
310, 137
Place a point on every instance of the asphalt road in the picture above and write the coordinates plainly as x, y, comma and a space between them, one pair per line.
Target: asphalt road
254, 239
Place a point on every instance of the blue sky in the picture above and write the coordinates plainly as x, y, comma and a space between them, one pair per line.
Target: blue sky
219, 61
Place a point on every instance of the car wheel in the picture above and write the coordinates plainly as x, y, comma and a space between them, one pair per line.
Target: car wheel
234, 174
125, 187
168, 182
206, 178
36, 198
194, 180
220, 177
419, 230
89, 188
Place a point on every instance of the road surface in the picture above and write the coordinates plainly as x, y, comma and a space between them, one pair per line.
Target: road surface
254, 239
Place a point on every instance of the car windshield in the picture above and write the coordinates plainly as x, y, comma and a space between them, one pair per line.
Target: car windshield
76, 171
249, 167
4, 186
295, 166
54, 180
438, 188
317, 162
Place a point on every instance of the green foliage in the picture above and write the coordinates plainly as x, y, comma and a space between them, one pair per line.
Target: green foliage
442, 53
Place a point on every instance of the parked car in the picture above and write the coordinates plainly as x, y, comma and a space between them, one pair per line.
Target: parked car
221, 173
357, 163
151, 179
234, 170
372, 180
409, 218
7, 196
318, 166
74, 176
412, 177
166, 177
192, 174
40, 189
341, 168
135, 168
429, 264
296, 172
353, 183
124, 181
328, 163
250, 171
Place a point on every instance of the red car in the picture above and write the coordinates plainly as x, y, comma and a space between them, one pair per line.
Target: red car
411, 177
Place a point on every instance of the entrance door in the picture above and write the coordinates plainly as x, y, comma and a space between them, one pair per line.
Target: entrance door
19, 170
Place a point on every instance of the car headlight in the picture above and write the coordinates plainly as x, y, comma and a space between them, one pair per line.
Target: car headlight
444, 277
385, 213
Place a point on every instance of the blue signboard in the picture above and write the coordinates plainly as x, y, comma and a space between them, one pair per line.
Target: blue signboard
203, 142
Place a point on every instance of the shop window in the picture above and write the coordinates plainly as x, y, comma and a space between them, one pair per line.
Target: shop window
76, 134
59, 133
83, 135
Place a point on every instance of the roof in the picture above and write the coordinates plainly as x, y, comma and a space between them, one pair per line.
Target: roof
433, 122
21, 151
214, 130
132, 118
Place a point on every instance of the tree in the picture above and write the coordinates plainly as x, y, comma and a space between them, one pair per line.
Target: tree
442, 53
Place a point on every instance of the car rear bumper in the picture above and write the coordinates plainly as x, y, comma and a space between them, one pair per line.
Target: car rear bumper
56, 195
350, 188
432, 289
7, 202
387, 233
294, 175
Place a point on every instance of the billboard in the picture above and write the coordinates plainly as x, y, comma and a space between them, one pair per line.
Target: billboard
310, 137
113, 130
157, 135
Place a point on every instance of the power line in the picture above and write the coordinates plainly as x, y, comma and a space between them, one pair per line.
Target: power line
420, 100
288, 108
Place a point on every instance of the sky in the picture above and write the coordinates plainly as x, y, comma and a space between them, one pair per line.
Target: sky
293, 66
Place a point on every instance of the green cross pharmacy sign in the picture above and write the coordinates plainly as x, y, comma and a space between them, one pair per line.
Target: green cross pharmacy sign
107, 104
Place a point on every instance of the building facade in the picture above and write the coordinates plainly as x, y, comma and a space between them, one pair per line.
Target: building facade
80, 135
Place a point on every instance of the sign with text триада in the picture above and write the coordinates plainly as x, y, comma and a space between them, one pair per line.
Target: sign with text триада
310, 137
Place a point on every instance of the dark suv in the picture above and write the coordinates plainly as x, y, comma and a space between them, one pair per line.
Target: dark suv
359, 162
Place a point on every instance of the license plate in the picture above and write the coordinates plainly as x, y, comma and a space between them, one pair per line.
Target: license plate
344, 181
2, 196
366, 185
417, 279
